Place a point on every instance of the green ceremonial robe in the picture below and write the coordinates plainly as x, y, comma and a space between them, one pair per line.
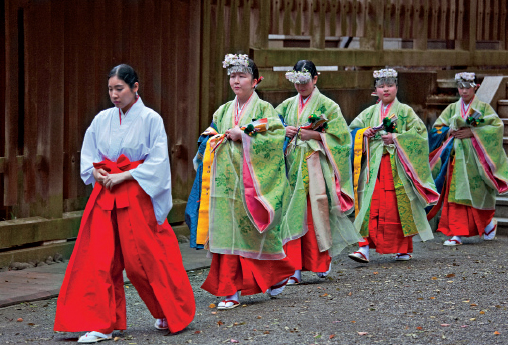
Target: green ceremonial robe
331, 170
481, 167
409, 156
232, 229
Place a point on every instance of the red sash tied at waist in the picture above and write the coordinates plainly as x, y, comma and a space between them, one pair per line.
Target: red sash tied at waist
120, 193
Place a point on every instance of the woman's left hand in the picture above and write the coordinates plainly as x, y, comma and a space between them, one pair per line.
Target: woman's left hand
387, 139
115, 179
234, 134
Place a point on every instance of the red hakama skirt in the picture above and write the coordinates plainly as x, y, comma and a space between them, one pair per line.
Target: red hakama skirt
385, 229
304, 254
119, 231
231, 273
462, 220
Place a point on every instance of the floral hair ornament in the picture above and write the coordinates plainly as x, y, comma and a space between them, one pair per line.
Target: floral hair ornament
237, 63
385, 76
465, 80
298, 77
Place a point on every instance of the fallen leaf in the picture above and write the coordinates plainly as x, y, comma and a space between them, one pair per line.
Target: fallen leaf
434, 278
116, 338
197, 332
362, 333
332, 336
349, 294
482, 312
496, 333
466, 301
472, 319
419, 327
266, 332
450, 275
353, 321
323, 295
214, 312
259, 317
464, 326
31, 324
375, 272
234, 341
445, 325
20, 320
419, 298
433, 298
474, 305
219, 323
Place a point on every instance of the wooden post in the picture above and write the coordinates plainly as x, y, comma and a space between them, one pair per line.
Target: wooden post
421, 25
263, 25
317, 34
503, 37
206, 53
472, 29
11, 102
54, 136
373, 19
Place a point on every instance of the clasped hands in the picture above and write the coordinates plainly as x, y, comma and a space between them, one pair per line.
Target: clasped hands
234, 134
461, 133
108, 180
387, 138
305, 134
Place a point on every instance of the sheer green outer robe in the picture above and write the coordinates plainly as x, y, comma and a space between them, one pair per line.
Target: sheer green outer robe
409, 156
334, 159
232, 229
481, 167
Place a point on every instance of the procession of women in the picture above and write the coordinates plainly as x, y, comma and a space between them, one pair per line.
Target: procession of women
277, 191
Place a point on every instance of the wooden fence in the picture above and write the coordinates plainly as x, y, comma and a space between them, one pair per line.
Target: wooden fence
56, 55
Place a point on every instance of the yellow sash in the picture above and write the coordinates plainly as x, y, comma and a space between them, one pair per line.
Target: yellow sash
357, 164
204, 205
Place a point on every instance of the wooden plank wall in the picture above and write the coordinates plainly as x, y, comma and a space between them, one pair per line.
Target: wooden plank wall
57, 55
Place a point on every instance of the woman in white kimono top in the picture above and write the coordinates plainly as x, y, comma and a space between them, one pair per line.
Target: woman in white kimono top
124, 226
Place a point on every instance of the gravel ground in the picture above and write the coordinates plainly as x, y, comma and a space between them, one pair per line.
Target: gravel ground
443, 296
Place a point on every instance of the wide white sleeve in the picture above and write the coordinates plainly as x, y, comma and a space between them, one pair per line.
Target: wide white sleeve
154, 175
88, 154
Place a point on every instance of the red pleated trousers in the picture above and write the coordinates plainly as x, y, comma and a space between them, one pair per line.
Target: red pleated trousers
119, 231
231, 273
385, 229
304, 254
462, 220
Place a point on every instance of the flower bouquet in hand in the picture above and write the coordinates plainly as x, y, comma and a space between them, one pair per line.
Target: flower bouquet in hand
318, 123
256, 126
474, 118
389, 124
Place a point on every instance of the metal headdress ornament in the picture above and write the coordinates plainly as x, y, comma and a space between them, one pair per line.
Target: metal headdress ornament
237, 63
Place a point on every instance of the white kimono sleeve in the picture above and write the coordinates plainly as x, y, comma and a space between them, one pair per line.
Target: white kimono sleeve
154, 175
89, 154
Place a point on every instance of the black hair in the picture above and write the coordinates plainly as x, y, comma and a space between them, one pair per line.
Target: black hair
308, 65
254, 68
126, 73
